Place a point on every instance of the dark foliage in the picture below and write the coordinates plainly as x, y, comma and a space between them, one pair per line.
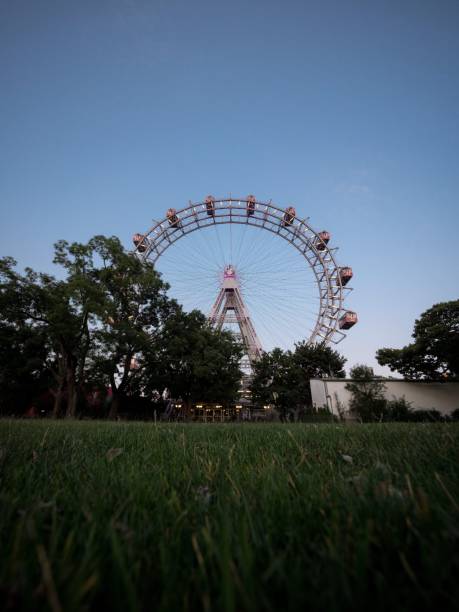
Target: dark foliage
193, 361
434, 354
92, 343
282, 377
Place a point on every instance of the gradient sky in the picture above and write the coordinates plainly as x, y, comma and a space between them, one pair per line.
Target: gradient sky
112, 111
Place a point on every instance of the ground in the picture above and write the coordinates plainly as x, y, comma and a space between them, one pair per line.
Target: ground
134, 516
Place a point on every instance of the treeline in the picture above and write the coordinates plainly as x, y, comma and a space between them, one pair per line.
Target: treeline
103, 337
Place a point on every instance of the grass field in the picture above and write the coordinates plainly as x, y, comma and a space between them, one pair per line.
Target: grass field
228, 517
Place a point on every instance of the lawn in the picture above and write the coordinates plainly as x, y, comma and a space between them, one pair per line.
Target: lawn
131, 516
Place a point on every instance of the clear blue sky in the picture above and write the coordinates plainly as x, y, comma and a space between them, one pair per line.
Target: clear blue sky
112, 111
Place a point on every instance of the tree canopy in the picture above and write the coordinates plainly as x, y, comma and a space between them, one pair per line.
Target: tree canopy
434, 354
194, 361
282, 377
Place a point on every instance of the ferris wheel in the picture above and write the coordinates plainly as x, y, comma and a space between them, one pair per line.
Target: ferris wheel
254, 268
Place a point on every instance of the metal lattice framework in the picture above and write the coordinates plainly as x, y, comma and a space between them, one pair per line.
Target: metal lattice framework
230, 300
265, 216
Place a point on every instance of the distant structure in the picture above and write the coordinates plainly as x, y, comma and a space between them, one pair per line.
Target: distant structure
332, 317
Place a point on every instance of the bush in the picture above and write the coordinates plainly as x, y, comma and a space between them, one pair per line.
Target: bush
398, 409
319, 415
422, 416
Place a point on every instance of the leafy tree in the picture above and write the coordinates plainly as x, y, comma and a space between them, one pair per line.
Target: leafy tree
24, 374
434, 354
74, 306
316, 361
39, 306
90, 325
133, 307
193, 360
367, 394
274, 381
283, 378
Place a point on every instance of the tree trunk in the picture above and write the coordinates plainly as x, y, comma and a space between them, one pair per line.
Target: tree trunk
59, 394
59, 399
115, 405
186, 409
72, 394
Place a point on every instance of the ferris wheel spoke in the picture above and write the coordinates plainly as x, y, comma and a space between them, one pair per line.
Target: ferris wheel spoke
189, 261
255, 251
192, 257
284, 311
223, 260
202, 256
240, 251
275, 335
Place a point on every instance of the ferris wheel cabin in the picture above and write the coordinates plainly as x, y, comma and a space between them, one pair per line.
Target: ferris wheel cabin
348, 319
250, 205
172, 217
323, 238
210, 205
289, 216
345, 275
139, 242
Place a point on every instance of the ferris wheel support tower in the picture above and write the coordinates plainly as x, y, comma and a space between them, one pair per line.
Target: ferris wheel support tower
229, 307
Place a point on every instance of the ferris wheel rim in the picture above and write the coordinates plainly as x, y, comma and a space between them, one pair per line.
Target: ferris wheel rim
267, 216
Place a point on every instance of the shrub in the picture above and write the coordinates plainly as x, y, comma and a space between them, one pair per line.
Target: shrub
398, 409
422, 416
319, 415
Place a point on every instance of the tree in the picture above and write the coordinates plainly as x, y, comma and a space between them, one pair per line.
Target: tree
39, 306
193, 360
367, 394
283, 378
133, 307
24, 372
434, 354
275, 381
90, 325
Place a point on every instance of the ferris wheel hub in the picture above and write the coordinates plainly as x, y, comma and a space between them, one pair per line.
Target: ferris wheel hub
230, 271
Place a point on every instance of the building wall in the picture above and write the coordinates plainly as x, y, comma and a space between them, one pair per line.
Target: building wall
443, 397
